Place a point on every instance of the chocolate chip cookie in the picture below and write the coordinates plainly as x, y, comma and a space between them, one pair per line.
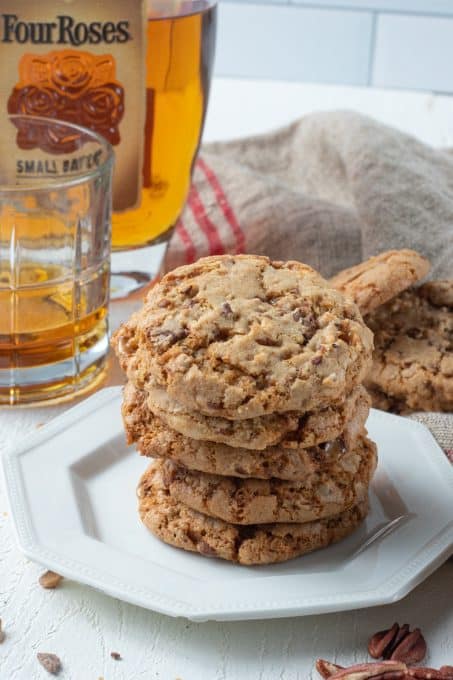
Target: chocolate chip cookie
145, 413
242, 336
259, 501
377, 280
182, 527
253, 433
413, 358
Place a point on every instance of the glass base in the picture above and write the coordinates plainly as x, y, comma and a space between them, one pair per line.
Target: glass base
53, 383
133, 270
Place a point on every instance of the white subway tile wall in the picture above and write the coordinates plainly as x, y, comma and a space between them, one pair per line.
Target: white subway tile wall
294, 43
404, 6
414, 52
384, 43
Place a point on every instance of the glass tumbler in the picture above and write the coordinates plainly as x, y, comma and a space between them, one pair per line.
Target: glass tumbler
55, 238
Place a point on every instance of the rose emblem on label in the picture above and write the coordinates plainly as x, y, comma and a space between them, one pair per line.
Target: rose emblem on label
70, 85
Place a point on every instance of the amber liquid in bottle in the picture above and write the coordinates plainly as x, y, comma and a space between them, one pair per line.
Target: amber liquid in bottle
179, 61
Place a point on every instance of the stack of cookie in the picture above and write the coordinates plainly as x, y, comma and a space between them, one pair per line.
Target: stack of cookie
244, 386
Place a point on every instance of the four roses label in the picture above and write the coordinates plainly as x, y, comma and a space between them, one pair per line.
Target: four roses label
77, 87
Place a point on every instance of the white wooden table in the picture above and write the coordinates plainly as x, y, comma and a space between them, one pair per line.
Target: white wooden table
83, 626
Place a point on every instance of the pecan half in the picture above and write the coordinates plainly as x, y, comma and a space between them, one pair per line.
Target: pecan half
398, 643
411, 649
379, 642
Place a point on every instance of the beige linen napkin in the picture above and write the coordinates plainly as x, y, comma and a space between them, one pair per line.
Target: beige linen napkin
441, 426
331, 190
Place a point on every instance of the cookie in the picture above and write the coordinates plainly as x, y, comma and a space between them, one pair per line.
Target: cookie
413, 358
182, 527
259, 501
253, 433
284, 461
142, 410
242, 336
377, 280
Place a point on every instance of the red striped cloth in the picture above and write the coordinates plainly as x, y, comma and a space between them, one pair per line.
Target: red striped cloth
209, 225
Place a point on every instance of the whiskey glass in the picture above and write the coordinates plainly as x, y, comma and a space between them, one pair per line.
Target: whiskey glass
179, 61
55, 239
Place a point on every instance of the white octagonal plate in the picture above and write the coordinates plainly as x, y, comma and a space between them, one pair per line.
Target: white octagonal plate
72, 488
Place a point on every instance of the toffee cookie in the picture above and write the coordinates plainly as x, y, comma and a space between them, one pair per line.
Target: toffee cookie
284, 461
144, 411
413, 359
182, 527
377, 280
259, 501
253, 433
242, 336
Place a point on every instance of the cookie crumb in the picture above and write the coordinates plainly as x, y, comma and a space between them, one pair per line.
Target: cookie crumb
50, 580
116, 655
50, 662
2, 634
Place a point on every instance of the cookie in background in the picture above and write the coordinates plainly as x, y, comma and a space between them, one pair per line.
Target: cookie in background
413, 331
